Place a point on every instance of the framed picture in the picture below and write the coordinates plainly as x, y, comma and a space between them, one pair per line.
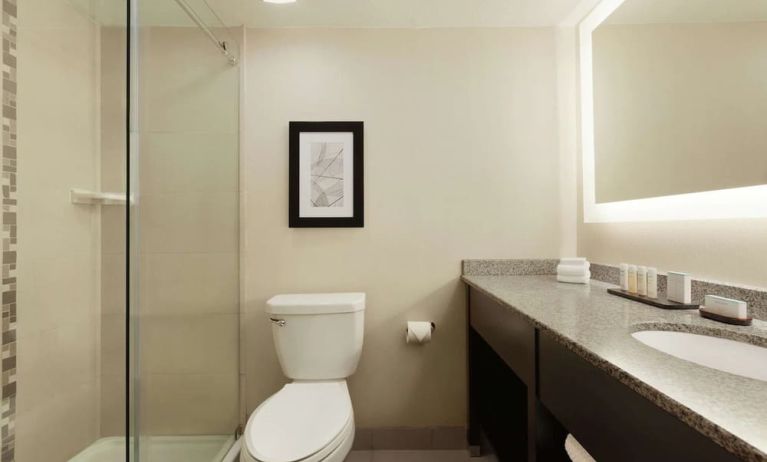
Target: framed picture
326, 175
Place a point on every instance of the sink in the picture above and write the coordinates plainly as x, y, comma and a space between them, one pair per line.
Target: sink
722, 354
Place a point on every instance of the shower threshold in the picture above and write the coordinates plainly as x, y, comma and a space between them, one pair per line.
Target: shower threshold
206, 448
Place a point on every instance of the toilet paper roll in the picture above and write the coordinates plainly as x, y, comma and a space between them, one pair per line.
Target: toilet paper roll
418, 332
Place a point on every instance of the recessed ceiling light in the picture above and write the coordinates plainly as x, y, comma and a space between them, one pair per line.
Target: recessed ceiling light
279, 1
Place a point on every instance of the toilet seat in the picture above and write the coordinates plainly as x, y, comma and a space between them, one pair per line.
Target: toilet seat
303, 422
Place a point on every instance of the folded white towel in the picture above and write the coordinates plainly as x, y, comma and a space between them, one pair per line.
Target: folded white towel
566, 270
573, 261
575, 451
575, 279
575, 264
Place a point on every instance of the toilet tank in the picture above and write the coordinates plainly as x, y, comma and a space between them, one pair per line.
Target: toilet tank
317, 336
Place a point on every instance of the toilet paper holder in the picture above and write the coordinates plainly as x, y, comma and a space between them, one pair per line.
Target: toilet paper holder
433, 327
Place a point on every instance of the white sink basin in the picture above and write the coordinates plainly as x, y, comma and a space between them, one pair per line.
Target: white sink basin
725, 355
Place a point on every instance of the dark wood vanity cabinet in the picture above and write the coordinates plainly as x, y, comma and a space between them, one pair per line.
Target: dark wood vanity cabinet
527, 391
503, 402
507, 333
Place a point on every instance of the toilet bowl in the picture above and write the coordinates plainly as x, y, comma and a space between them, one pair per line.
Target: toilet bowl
304, 421
318, 338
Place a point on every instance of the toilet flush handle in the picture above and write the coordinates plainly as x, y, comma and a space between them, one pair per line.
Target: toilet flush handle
279, 322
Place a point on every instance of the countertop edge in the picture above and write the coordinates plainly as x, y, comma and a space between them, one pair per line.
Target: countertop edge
722, 437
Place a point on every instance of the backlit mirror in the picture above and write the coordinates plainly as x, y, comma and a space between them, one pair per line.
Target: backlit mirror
679, 95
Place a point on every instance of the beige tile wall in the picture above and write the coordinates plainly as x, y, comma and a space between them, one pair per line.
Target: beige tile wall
59, 243
189, 224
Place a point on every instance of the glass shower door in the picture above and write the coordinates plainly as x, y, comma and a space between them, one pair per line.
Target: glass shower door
64, 162
184, 233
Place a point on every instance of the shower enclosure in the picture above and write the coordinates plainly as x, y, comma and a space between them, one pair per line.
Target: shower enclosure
120, 302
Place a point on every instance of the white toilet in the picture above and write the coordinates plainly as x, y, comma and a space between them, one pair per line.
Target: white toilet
318, 338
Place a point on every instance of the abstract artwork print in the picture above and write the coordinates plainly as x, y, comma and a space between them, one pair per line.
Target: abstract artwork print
327, 173
325, 183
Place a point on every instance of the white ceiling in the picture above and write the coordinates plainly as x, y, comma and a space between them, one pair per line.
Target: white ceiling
408, 13
349, 13
423, 13
688, 11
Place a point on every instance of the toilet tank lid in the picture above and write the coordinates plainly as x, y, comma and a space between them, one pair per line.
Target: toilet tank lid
316, 303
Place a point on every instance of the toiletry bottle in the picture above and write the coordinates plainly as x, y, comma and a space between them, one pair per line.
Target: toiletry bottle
652, 282
632, 279
642, 280
624, 276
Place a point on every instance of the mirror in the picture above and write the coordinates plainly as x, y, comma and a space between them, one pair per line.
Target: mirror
679, 98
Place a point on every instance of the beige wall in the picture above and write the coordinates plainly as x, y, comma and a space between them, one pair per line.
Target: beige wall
188, 233
461, 161
679, 108
59, 243
720, 250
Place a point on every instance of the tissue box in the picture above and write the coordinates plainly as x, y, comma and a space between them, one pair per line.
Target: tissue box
679, 287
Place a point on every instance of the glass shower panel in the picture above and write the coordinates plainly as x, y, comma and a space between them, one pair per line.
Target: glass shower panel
64, 163
184, 234
114, 163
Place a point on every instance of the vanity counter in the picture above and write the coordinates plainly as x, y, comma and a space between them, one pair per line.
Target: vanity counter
729, 409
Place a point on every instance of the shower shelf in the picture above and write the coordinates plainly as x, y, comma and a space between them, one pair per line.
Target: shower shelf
83, 196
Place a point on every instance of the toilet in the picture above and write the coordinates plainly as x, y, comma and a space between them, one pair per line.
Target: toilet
318, 338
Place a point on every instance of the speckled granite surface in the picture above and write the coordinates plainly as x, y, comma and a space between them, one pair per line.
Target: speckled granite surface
518, 267
730, 409
756, 298
606, 273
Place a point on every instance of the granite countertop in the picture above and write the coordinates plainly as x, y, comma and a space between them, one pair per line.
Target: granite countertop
730, 409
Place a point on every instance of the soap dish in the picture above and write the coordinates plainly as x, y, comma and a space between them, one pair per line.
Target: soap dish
725, 319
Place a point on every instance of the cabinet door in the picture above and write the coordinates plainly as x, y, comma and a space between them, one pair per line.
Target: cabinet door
612, 421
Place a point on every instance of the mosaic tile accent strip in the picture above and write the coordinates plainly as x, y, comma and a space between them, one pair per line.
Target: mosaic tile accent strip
9, 233
512, 267
755, 297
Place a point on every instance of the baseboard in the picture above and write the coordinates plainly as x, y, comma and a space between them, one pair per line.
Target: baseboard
413, 438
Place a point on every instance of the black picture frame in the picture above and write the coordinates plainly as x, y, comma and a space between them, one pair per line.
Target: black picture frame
357, 220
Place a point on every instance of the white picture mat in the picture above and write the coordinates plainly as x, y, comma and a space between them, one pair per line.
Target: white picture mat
305, 207
746, 202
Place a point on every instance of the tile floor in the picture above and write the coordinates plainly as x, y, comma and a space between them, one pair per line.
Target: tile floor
409, 456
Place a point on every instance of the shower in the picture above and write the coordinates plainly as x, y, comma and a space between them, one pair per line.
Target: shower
120, 231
